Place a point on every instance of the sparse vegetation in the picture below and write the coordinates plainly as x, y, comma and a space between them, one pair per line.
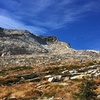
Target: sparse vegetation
2, 72
14, 82
86, 90
49, 95
18, 68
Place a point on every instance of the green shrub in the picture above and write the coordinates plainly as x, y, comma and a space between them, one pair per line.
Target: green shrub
86, 91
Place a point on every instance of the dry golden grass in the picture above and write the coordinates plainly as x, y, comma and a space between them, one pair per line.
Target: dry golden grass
30, 89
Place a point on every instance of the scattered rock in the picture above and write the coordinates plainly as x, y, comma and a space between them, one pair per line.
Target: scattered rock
48, 76
55, 78
34, 79
78, 77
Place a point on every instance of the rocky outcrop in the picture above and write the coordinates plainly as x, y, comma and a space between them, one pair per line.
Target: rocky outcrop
14, 42
49, 39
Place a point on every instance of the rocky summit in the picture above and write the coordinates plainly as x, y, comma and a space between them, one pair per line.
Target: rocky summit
22, 43
14, 42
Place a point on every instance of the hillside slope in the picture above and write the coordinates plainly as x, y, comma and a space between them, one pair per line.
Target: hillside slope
21, 46
14, 42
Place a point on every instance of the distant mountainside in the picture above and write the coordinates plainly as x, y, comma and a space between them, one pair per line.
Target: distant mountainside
22, 42
14, 42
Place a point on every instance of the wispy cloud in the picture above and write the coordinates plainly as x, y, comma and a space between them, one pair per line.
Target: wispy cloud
39, 15
7, 22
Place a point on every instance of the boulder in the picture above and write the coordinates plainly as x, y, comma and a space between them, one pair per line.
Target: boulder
55, 78
77, 77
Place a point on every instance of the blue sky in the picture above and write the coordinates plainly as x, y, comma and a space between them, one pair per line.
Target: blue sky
73, 21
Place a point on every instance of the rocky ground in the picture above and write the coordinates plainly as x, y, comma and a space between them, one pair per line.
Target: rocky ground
47, 82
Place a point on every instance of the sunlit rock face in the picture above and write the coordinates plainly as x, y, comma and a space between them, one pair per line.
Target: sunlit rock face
15, 42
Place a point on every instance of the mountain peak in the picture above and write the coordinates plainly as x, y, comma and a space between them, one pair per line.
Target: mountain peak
15, 42
50, 39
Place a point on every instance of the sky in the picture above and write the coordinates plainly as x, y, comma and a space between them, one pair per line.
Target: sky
73, 21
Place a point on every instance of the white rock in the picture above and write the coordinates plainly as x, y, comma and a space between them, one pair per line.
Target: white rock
55, 78
77, 77
48, 76
64, 71
50, 79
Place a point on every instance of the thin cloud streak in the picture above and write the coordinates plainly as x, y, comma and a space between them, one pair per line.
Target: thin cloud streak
39, 15
69, 16
7, 22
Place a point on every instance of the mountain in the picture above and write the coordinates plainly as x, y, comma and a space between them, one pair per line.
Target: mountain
14, 42
23, 43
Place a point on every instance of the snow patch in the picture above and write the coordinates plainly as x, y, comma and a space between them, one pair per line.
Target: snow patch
46, 47
94, 51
